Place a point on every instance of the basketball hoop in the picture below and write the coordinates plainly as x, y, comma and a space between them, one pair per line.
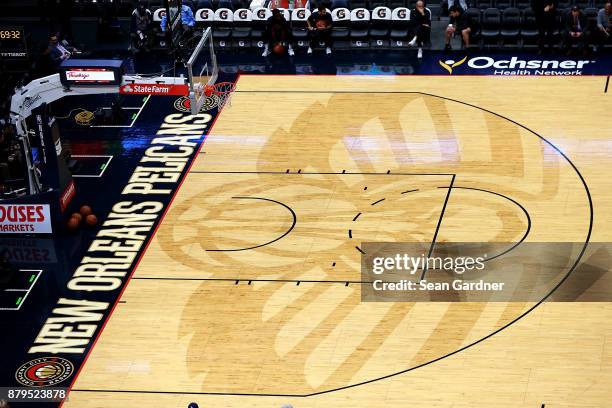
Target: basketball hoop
223, 91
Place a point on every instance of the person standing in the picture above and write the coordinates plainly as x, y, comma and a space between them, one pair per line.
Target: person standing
545, 15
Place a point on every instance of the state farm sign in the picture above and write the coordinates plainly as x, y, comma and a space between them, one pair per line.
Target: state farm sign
25, 218
154, 89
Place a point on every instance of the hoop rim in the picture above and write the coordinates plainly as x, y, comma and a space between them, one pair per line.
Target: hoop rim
222, 88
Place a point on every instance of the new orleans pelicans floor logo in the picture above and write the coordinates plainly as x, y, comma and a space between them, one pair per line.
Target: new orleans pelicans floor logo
183, 104
450, 64
44, 371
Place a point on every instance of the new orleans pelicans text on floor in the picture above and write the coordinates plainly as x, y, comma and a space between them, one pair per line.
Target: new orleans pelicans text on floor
122, 236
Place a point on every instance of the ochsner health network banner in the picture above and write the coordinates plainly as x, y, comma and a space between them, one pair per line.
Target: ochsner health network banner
460, 63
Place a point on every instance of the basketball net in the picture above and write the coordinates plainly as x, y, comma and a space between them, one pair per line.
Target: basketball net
223, 92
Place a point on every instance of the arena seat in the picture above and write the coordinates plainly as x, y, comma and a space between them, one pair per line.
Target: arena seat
377, 3
511, 27
564, 4
529, 29
522, 4
335, 4
204, 4
341, 29
241, 32
259, 17
583, 4
503, 4
380, 26
491, 26
204, 17
355, 4
299, 26
224, 4
393, 4
360, 22
475, 35
222, 27
484, 4
400, 27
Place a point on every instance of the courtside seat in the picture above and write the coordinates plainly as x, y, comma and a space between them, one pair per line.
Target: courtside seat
204, 4
339, 4
222, 28
511, 27
377, 3
475, 35
355, 4
241, 33
591, 15
582, 3
503, 4
400, 27
225, 4
360, 23
258, 25
522, 4
299, 26
484, 4
491, 26
379, 27
204, 17
393, 4
341, 29
529, 29
564, 4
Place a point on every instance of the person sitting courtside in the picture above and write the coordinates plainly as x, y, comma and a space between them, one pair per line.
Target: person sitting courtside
320, 29
575, 29
277, 32
459, 22
604, 25
422, 26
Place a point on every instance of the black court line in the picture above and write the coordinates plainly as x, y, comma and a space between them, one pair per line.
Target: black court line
409, 191
319, 173
520, 241
236, 280
433, 241
459, 350
269, 242
376, 202
607, 82
357, 216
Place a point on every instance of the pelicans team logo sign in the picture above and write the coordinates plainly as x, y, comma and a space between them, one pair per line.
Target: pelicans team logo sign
44, 372
450, 64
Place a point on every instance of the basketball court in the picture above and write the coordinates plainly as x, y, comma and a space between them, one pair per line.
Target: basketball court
249, 294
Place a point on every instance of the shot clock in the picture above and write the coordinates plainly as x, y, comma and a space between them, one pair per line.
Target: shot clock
12, 43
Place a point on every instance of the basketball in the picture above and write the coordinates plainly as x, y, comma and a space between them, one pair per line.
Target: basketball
278, 49
208, 90
321, 25
78, 216
91, 220
73, 223
85, 210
